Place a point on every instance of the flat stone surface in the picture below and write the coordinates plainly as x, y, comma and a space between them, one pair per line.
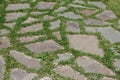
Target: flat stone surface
106, 15
80, 42
30, 20
32, 28
72, 26
55, 24
63, 57
60, 9
4, 32
13, 7
117, 64
19, 74
10, 25
98, 4
45, 5
46, 78
96, 22
36, 13
27, 61
92, 66
106, 78
48, 45
68, 72
79, 1
70, 15
47, 18
57, 35
4, 43
87, 12
14, 16
2, 68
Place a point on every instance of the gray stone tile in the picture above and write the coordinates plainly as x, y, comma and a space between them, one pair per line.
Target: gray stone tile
4, 32
46, 78
2, 68
30, 20
10, 25
106, 78
47, 18
55, 24
88, 12
4, 43
117, 64
57, 35
60, 9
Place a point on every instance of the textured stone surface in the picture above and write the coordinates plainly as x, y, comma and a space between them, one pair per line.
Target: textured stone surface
55, 24
95, 22
47, 17
14, 16
67, 71
61, 9
48, 45
46, 78
117, 64
32, 28
70, 15
14, 7
106, 15
19, 74
63, 57
106, 78
92, 66
2, 68
88, 12
27, 61
45, 5
30, 20
57, 35
80, 42
4, 32
9, 25
4, 42
72, 26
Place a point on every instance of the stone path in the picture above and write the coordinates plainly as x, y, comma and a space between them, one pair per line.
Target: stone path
63, 40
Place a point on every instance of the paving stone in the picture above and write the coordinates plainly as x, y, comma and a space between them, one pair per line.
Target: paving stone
14, 16
96, 22
57, 34
4, 42
88, 12
60, 9
79, 6
70, 15
106, 15
47, 18
98, 4
48, 45
106, 78
32, 28
45, 5
67, 71
91, 29
46, 78
10, 25
79, 1
19, 74
13, 7
72, 26
29, 62
117, 64
80, 42
92, 66
4, 32
55, 24
30, 20
63, 57
28, 38
2, 68
36, 13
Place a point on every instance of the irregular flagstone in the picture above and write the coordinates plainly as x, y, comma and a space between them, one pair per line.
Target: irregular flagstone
57, 34
37, 13
67, 71
61, 9
28, 38
48, 45
79, 6
98, 4
79, 1
88, 12
2, 67
72, 26
96, 22
91, 29
32, 28
14, 7
70, 15
4, 42
106, 78
19, 74
10, 25
86, 43
117, 64
4, 32
92, 66
63, 57
27, 61
106, 15
46, 78
55, 24
14, 16
45, 5
47, 17
30, 20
